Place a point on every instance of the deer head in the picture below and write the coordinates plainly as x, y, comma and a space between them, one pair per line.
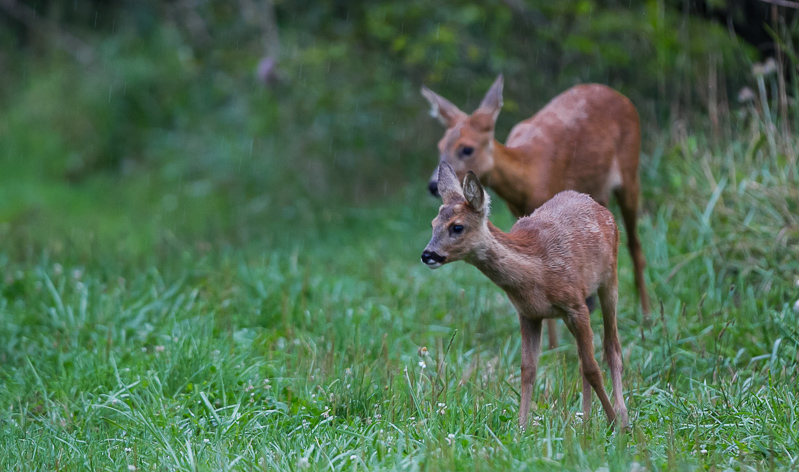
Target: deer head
461, 225
468, 143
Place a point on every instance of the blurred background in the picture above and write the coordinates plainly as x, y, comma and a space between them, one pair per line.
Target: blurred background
198, 197
152, 125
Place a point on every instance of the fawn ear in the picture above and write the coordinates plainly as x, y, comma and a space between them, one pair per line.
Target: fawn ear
442, 109
492, 102
474, 193
448, 186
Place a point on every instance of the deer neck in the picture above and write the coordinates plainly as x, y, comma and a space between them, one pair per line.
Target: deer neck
509, 263
507, 180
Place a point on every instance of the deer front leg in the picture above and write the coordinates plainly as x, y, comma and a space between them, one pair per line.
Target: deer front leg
531, 349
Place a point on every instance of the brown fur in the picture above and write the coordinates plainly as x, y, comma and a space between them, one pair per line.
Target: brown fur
586, 139
547, 264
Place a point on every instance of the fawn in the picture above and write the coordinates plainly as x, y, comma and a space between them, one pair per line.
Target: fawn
586, 139
547, 265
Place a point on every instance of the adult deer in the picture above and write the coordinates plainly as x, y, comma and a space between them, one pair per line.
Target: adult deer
586, 139
547, 265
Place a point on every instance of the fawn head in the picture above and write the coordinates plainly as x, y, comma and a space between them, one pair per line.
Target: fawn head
461, 224
468, 143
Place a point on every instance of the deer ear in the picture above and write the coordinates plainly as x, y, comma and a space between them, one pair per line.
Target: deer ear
492, 102
448, 185
442, 109
474, 193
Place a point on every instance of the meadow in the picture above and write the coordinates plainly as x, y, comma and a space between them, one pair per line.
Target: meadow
235, 301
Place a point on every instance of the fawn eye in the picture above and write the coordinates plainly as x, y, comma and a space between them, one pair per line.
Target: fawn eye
467, 151
457, 229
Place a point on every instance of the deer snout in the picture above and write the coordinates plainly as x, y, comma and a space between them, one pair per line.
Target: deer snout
433, 187
432, 259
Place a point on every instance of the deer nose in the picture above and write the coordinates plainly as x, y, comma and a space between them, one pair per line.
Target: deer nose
432, 258
433, 187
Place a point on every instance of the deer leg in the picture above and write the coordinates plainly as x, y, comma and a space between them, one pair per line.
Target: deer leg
628, 202
586, 396
552, 332
580, 325
531, 349
608, 297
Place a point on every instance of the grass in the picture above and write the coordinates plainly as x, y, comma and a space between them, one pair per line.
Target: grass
303, 351
152, 323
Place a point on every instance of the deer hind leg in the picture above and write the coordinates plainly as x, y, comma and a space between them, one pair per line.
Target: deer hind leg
627, 197
580, 325
531, 350
552, 333
608, 297
586, 396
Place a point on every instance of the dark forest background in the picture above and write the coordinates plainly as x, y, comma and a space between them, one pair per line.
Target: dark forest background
257, 106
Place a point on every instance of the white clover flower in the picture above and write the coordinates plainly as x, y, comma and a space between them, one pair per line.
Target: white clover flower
422, 365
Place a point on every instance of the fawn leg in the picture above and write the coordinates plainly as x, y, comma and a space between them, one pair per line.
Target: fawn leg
580, 325
531, 349
586, 395
608, 297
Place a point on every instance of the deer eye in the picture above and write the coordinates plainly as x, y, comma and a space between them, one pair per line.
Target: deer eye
457, 229
467, 151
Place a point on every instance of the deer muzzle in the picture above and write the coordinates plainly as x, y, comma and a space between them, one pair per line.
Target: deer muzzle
433, 259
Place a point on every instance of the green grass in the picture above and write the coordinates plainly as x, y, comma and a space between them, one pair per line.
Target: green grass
300, 348
186, 284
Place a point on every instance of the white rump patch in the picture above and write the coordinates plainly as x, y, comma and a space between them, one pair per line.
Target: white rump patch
614, 176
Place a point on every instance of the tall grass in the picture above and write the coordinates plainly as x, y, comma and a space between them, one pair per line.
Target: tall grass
303, 350
232, 283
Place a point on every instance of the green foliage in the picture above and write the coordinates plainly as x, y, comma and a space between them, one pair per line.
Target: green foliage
198, 272
303, 349
172, 91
